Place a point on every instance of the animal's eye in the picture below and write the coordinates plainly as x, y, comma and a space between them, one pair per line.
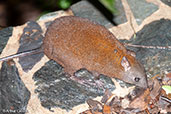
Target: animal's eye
137, 79
115, 50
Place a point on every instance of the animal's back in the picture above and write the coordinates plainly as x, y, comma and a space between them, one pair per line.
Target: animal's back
79, 43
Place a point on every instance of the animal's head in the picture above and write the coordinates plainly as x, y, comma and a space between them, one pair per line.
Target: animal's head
134, 72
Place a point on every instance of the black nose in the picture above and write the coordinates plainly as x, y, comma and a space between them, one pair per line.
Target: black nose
137, 79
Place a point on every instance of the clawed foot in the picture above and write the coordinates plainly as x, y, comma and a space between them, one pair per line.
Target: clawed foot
88, 83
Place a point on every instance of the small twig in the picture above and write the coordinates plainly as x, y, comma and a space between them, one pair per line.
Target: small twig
154, 77
131, 24
147, 111
149, 47
166, 99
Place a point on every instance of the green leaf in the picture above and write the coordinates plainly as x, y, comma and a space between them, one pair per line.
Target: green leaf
64, 4
167, 88
110, 5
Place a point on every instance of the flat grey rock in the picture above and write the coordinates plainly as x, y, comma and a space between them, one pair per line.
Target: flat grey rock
56, 89
141, 9
119, 16
30, 39
167, 2
14, 96
87, 10
4, 36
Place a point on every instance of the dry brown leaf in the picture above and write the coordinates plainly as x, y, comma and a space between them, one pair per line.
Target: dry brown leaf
89, 112
106, 109
156, 89
142, 101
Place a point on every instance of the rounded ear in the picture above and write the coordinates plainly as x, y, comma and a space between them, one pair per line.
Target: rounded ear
125, 64
131, 53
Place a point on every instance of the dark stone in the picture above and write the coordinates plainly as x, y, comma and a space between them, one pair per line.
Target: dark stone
119, 16
56, 89
4, 36
14, 95
87, 10
167, 2
157, 33
30, 39
141, 9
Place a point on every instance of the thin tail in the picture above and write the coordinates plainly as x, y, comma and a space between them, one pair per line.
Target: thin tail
149, 47
22, 54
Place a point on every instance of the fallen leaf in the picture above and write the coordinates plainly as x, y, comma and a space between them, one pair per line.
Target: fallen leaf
106, 109
89, 112
94, 106
142, 101
156, 89
106, 96
121, 91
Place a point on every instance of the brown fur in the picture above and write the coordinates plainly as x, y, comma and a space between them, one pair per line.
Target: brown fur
79, 43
